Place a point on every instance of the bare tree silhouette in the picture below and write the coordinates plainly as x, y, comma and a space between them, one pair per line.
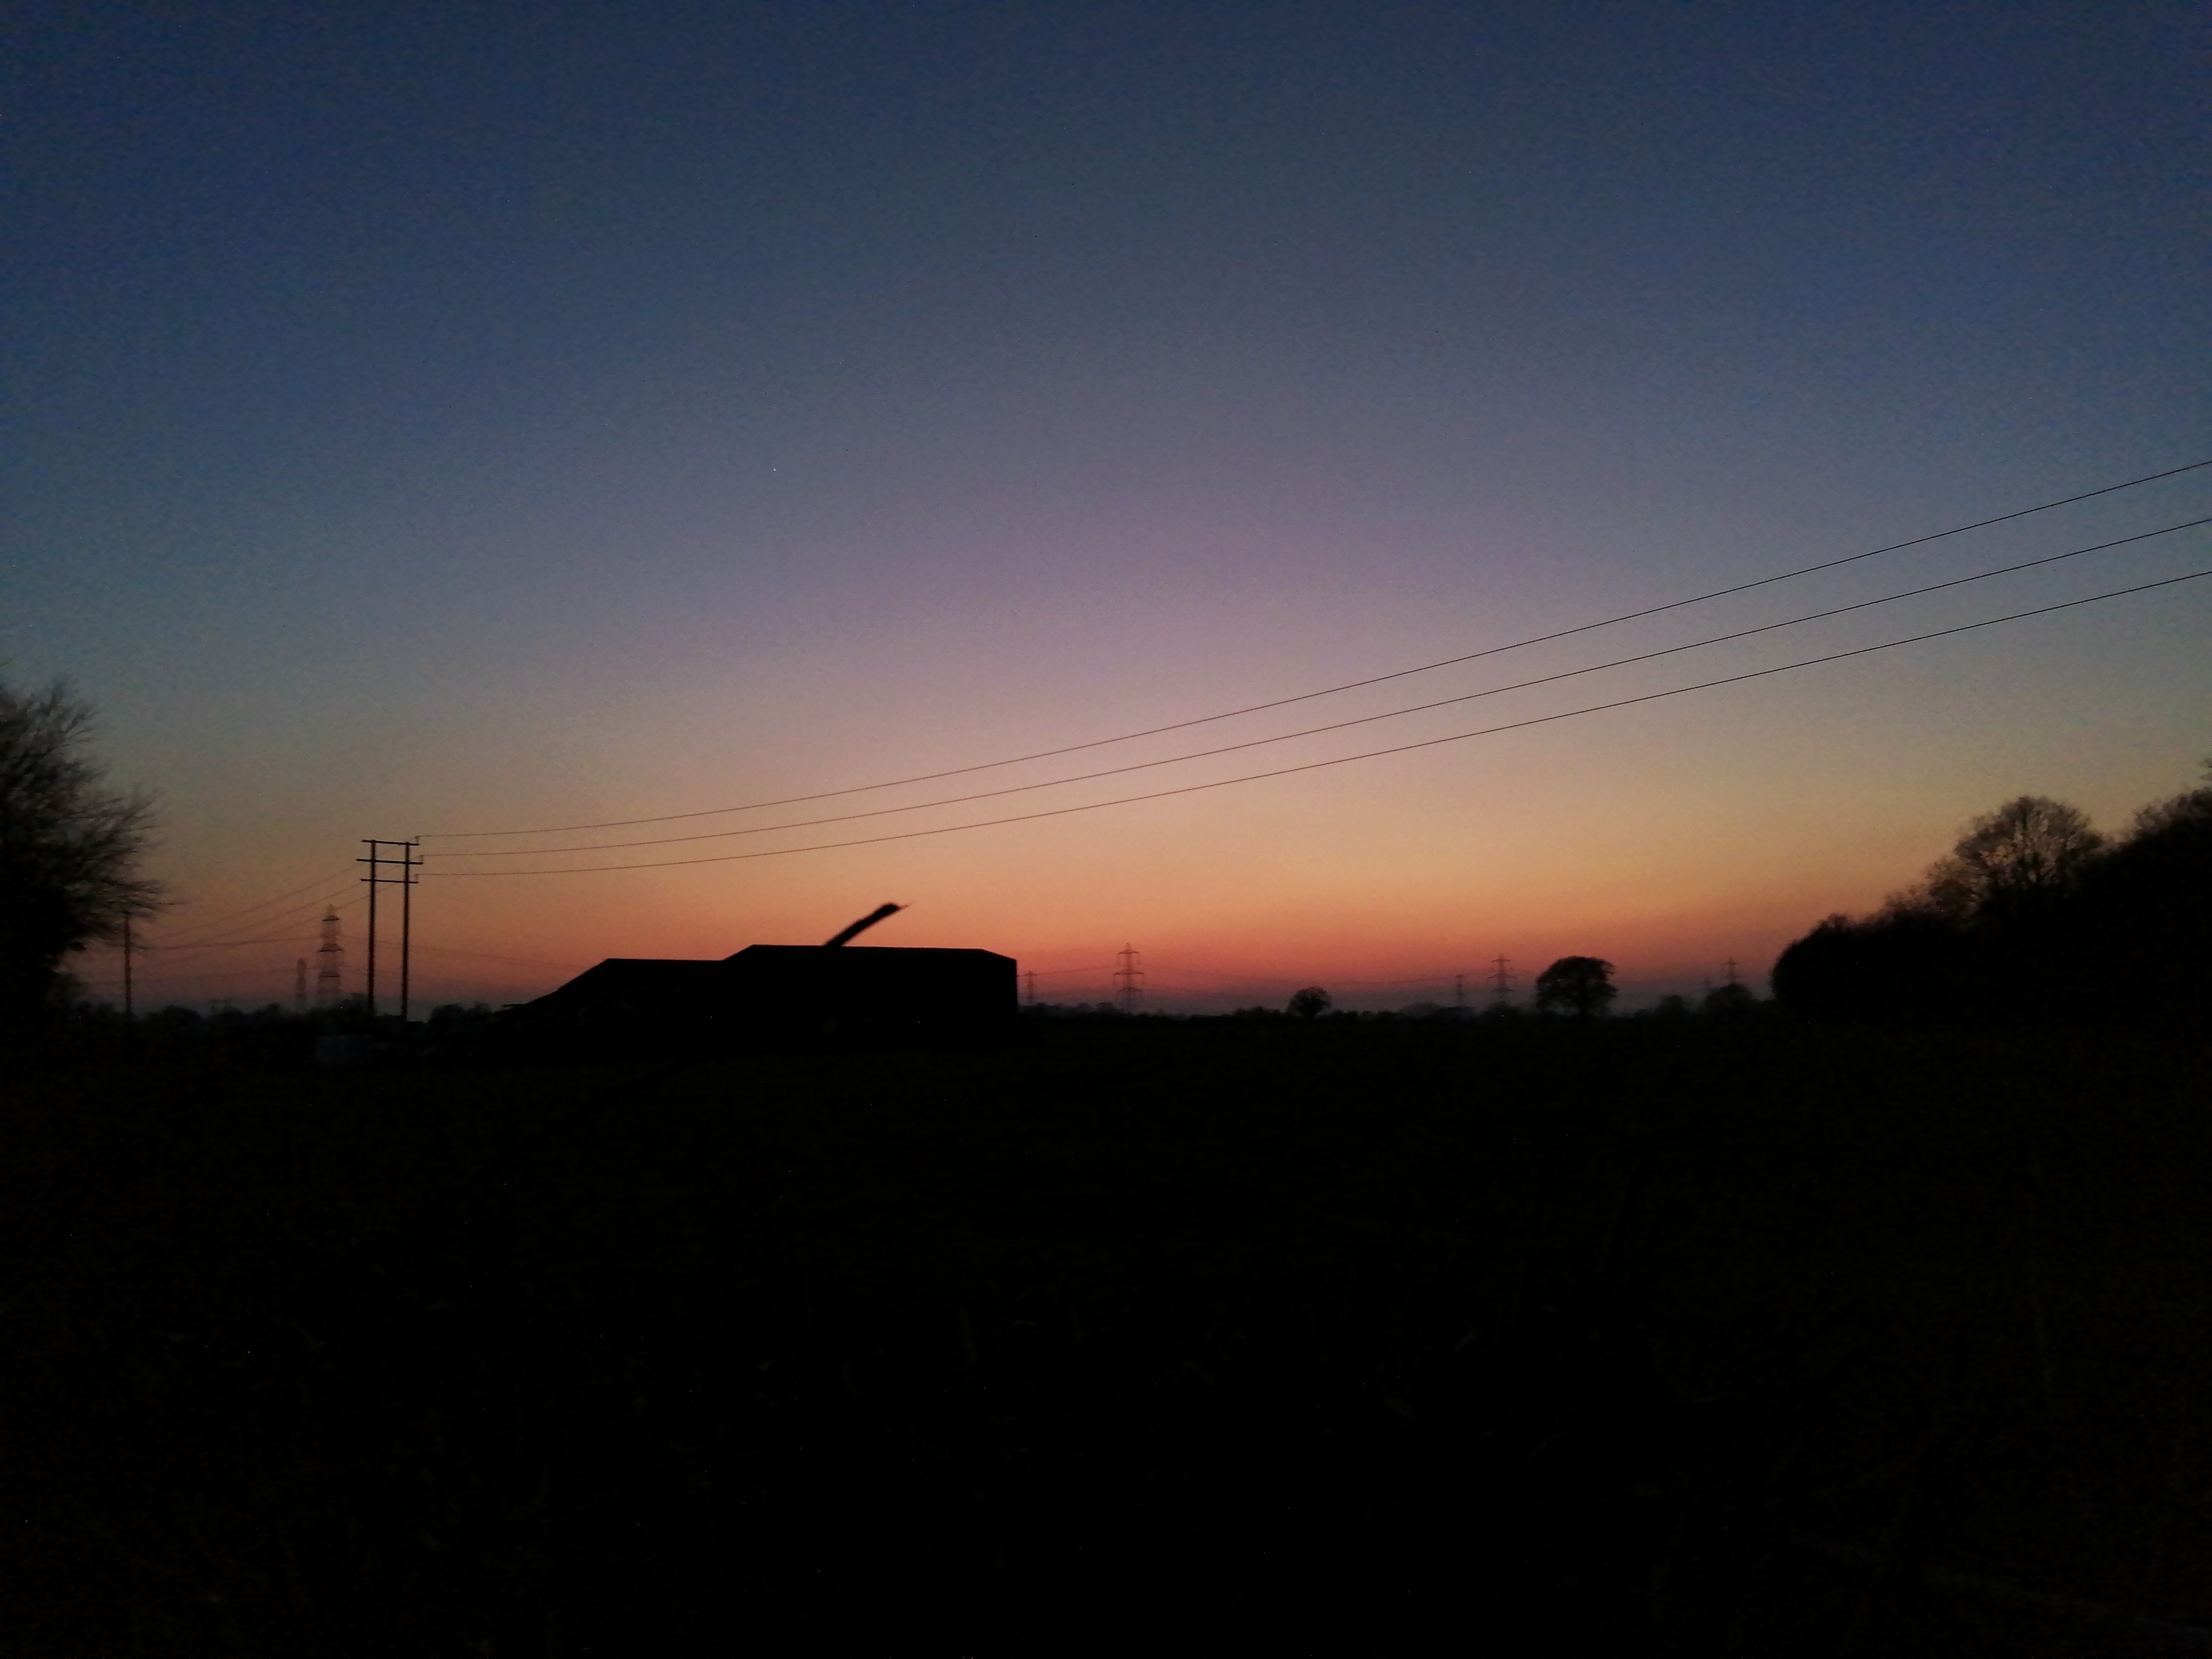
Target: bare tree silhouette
2028, 851
70, 849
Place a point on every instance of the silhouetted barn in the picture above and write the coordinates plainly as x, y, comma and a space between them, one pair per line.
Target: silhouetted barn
783, 996
628, 1000
873, 993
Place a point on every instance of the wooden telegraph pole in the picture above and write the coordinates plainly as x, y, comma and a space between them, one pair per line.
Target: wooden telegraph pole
407, 862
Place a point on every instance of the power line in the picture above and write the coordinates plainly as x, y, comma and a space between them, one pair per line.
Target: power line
1349, 685
1233, 979
331, 884
357, 899
1334, 725
158, 979
302, 912
229, 944
213, 922
1423, 979
1341, 760
275, 974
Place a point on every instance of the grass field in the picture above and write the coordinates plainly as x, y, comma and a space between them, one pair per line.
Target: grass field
1645, 1337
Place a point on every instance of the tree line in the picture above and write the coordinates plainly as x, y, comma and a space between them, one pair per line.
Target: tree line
2034, 916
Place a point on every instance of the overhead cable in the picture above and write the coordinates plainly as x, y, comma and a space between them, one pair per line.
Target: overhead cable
1349, 685
329, 901
1340, 760
1313, 731
229, 916
229, 944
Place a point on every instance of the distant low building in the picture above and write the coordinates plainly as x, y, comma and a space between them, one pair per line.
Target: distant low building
785, 996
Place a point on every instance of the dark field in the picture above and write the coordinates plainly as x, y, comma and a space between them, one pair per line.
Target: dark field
1193, 1337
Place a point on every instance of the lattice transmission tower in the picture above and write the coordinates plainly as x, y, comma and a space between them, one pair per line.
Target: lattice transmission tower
1128, 979
330, 964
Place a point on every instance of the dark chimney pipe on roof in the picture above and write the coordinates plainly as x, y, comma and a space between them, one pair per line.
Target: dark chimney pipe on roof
865, 923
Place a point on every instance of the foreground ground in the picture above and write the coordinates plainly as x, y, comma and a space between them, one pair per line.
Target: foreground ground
1186, 1337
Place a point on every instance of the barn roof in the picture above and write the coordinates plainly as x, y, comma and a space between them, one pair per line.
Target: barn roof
917, 955
619, 979
787, 993
666, 980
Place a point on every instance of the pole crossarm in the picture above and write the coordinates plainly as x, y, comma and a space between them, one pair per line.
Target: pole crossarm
405, 881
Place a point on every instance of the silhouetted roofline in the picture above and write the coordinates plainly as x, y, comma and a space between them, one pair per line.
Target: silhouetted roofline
879, 950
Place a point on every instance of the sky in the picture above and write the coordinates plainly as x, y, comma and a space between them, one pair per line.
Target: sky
440, 420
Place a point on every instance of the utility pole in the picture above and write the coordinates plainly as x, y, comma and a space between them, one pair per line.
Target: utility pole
1128, 979
405, 879
128, 1013
1458, 992
300, 987
372, 861
1032, 978
408, 861
1501, 980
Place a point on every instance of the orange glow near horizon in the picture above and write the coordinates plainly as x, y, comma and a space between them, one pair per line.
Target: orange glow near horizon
660, 420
